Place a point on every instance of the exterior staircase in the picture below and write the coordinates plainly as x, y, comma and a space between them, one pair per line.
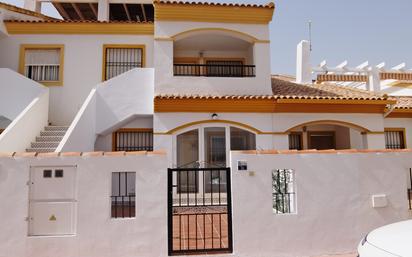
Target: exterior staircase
48, 140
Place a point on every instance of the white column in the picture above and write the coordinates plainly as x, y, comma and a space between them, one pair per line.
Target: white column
103, 10
374, 141
303, 69
374, 81
281, 142
32, 5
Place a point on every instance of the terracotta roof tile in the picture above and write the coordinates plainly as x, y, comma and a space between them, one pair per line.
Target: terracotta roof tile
404, 102
287, 89
270, 5
329, 151
283, 88
78, 21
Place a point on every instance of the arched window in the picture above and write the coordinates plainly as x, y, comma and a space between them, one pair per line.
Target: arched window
209, 146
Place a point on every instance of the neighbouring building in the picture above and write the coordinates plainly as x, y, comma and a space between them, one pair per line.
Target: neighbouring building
140, 128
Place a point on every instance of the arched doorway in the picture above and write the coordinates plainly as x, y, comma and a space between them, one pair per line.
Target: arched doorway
208, 145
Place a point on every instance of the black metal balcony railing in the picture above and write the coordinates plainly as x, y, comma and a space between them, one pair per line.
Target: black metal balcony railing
214, 70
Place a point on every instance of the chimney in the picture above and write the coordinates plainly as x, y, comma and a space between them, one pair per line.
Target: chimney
32, 5
303, 68
374, 81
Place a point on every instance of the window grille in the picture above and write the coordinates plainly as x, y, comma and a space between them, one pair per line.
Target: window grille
295, 141
394, 139
133, 140
283, 191
42, 64
120, 60
123, 196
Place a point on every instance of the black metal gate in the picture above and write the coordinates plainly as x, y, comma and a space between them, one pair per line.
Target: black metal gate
199, 211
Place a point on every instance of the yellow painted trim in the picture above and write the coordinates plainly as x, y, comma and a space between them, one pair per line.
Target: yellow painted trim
373, 133
262, 41
163, 39
242, 35
330, 122
268, 105
213, 13
105, 46
335, 101
403, 130
239, 124
23, 49
79, 28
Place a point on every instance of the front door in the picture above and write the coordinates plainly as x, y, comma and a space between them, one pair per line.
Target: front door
199, 211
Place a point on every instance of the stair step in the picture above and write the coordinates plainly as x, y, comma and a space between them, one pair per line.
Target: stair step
56, 128
41, 150
49, 139
45, 145
51, 133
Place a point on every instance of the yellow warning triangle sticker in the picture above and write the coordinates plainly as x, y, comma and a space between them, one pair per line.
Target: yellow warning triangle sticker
52, 218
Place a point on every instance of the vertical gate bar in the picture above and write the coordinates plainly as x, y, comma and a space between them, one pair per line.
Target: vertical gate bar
220, 230
211, 187
122, 206
120, 191
179, 178
204, 231
219, 186
211, 228
229, 209
187, 188
180, 231
196, 189
409, 192
188, 231
125, 192
196, 229
285, 173
169, 210
204, 185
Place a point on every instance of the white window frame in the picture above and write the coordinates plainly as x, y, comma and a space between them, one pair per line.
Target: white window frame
201, 135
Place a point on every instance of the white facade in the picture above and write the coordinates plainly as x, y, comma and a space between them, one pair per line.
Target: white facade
333, 197
83, 62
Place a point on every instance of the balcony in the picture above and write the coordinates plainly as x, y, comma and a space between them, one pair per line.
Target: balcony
234, 69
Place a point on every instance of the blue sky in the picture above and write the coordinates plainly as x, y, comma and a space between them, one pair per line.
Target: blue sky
353, 30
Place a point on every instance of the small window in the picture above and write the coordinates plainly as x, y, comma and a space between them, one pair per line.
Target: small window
58, 173
123, 198
47, 173
133, 139
42, 63
295, 141
119, 59
283, 191
395, 138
